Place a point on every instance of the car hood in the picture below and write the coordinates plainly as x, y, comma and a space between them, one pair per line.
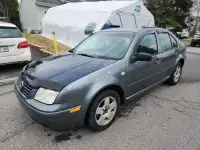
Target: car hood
65, 69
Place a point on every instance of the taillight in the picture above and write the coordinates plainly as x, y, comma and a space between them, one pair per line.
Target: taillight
24, 44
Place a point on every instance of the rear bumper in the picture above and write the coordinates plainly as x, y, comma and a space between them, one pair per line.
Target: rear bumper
26, 57
54, 120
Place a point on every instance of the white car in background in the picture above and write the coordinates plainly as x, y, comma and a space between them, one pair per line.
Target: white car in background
14, 48
184, 34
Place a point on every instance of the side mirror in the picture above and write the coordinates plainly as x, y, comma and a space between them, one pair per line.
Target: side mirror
141, 57
175, 45
89, 30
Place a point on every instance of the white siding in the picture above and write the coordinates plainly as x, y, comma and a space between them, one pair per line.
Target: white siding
29, 15
41, 13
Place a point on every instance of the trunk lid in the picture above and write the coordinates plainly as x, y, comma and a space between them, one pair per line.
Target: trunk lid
10, 37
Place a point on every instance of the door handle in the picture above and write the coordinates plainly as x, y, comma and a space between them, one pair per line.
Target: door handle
158, 61
176, 52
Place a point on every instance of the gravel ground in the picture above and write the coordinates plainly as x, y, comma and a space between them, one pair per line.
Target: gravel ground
165, 118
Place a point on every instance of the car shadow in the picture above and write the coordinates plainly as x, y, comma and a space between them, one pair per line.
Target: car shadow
127, 109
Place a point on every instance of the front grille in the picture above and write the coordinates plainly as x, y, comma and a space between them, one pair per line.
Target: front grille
24, 88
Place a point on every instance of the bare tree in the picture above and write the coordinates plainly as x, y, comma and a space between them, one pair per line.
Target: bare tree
196, 7
194, 26
2, 11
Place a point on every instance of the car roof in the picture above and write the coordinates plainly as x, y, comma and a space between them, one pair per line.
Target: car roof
143, 29
6, 24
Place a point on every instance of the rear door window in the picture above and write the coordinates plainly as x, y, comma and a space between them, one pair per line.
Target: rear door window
165, 42
10, 32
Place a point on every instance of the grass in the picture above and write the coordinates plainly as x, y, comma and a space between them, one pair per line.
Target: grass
45, 43
187, 41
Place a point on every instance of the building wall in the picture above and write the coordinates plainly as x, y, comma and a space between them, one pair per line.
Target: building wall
28, 15
41, 12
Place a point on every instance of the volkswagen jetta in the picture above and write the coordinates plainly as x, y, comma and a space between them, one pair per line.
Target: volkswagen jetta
89, 83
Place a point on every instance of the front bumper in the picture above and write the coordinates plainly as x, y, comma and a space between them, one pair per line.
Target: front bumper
49, 116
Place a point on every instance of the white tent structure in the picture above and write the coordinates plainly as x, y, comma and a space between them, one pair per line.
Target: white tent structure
70, 20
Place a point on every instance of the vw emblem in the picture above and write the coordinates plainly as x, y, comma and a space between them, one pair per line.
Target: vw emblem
22, 83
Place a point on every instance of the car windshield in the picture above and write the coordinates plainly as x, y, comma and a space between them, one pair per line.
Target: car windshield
106, 45
10, 32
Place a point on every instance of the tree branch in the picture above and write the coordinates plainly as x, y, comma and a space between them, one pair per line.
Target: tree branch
2, 10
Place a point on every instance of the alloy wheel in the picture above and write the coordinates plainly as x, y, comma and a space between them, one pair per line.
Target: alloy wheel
177, 74
106, 111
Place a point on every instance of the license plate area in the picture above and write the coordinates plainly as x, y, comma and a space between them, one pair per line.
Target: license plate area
4, 49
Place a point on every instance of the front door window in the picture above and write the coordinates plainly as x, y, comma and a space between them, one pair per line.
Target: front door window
148, 45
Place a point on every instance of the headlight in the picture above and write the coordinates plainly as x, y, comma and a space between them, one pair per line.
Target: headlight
46, 96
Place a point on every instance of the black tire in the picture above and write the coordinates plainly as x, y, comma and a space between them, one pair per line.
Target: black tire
171, 80
92, 110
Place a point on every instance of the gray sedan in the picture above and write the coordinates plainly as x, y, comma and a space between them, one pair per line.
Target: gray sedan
89, 83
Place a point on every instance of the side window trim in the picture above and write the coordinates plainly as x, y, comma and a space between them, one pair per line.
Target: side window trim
171, 37
171, 41
160, 51
156, 36
154, 32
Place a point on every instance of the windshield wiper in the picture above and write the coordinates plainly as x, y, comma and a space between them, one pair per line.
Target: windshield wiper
71, 51
82, 54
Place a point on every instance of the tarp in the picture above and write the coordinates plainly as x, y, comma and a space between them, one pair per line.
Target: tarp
70, 20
